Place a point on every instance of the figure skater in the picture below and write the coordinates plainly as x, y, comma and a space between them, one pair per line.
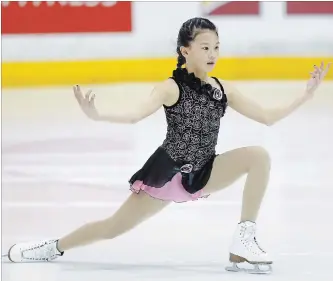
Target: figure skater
185, 167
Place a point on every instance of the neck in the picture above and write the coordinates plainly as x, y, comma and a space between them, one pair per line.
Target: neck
203, 76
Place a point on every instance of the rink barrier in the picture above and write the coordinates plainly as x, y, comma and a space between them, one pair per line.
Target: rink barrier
30, 74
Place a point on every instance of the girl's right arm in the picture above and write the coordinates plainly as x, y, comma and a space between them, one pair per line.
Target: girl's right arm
164, 93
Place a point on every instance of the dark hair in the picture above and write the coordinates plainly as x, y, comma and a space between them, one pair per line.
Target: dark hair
187, 33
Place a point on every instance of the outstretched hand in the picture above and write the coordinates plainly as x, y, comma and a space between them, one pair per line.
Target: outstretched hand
86, 102
317, 76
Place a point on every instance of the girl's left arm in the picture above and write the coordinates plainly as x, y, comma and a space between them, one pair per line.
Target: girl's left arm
255, 111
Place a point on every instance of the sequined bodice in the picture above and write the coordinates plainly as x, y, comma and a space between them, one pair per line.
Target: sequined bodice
194, 122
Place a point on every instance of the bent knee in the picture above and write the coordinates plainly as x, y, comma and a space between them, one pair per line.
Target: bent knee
259, 154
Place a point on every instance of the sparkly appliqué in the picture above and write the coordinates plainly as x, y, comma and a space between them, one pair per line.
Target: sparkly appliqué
194, 122
187, 168
217, 94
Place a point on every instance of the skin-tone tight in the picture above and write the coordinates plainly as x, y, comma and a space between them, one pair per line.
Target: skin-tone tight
254, 162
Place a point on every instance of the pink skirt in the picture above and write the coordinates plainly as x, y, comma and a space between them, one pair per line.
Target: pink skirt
171, 191
163, 178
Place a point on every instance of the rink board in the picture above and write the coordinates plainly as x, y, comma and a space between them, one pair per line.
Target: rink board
46, 73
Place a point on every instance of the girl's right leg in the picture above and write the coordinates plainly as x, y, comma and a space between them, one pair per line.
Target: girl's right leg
135, 210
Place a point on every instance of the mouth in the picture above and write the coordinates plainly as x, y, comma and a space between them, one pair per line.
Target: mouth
211, 63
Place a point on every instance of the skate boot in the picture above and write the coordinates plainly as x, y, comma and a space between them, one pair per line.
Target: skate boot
245, 252
40, 251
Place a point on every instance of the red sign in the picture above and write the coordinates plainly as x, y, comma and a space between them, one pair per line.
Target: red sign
65, 16
309, 8
229, 8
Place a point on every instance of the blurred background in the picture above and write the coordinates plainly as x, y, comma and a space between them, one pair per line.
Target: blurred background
59, 166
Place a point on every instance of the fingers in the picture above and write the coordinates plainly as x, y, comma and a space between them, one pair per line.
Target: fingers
92, 100
320, 72
317, 75
88, 97
327, 68
78, 94
317, 71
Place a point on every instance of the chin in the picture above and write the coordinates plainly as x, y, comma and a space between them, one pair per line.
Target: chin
210, 68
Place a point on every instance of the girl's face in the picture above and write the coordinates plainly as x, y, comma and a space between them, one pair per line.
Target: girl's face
203, 52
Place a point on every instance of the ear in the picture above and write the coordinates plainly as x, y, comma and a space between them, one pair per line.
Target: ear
184, 51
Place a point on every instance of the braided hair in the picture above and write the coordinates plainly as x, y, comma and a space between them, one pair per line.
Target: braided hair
187, 33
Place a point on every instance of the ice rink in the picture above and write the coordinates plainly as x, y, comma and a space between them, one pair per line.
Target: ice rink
61, 170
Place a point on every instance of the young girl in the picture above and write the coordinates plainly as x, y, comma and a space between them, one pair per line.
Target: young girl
186, 167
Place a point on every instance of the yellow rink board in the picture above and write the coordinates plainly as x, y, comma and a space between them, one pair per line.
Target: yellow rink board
26, 74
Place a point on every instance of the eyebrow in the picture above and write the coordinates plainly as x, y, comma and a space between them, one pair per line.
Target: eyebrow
205, 43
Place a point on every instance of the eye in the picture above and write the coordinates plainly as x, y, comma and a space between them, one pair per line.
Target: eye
205, 48
217, 47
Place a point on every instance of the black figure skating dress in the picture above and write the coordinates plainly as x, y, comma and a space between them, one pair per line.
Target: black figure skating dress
180, 168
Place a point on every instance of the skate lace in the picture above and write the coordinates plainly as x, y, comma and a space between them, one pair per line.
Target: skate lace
248, 234
39, 252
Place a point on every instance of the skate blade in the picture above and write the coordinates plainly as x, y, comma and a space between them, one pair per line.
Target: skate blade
250, 268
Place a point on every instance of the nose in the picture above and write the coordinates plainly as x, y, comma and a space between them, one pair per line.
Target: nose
211, 57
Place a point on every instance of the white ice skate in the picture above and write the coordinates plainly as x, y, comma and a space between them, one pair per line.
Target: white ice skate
245, 252
40, 251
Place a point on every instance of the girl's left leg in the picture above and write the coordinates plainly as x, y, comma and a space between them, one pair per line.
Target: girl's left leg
254, 162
